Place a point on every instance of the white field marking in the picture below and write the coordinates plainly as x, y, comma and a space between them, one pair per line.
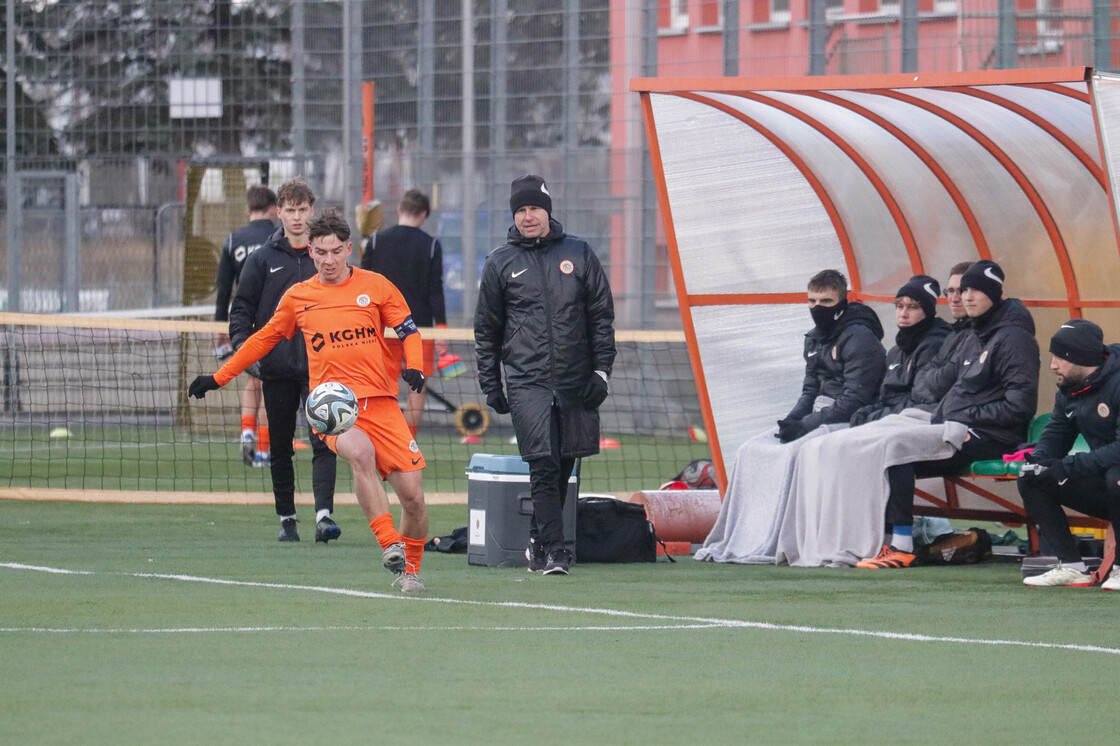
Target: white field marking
368, 628
685, 620
37, 568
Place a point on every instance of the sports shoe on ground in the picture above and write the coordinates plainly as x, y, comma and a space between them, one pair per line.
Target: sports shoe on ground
1060, 576
888, 558
248, 446
262, 460
288, 530
536, 556
410, 582
559, 561
393, 558
326, 530
1113, 582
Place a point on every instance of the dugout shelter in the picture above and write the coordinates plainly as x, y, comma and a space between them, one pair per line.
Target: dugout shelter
764, 182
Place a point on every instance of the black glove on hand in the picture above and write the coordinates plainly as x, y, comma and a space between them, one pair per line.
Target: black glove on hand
789, 430
1055, 472
414, 379
496, 400
201, 385
595, 391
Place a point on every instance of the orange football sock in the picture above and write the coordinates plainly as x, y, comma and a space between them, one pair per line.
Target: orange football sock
413, 552
383, 529
262, 438
248, 422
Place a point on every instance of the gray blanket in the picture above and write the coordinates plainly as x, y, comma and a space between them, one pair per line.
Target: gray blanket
838, 494
746, 530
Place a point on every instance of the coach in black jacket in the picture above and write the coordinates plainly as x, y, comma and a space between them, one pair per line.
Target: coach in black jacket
268, 272
1087, 403
546, 315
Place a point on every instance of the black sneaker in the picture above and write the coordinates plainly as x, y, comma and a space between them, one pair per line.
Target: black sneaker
288, 530
559, 560
536, 556
325, 530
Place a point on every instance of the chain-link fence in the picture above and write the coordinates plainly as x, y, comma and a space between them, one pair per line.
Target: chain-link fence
110, 107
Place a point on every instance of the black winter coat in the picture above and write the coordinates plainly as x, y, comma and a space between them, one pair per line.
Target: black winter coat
545, 315
237, 248
934, 380
268, 273
902, 368
847, 365
996, 394
1092, 412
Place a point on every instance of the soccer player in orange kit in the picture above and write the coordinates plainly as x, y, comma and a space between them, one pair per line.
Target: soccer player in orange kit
342, 313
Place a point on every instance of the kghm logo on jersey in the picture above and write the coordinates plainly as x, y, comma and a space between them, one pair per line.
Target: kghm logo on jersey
343, 337
567, 267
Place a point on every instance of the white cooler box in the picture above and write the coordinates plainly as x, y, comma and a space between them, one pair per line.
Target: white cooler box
501, 507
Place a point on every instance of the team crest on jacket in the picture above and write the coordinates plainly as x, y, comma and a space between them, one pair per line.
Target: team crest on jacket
1103, 410
567, 267
363, 300
983, 357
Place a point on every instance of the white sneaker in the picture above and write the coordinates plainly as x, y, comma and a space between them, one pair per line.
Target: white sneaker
1113, 582
1061, 575
393, 558
248, 446
410, 582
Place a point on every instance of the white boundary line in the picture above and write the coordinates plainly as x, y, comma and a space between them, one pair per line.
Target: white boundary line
674, 621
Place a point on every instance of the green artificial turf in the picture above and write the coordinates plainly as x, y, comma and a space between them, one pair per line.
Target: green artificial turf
690, 652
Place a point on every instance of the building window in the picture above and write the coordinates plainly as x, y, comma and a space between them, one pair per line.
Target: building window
711, 14
672, 16
779, 11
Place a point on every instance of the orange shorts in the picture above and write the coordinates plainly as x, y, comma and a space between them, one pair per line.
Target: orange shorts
396, 352
380, 418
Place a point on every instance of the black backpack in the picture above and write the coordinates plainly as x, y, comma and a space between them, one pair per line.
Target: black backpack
609, 530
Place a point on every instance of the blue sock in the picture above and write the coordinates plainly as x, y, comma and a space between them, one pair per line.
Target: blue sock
902, 537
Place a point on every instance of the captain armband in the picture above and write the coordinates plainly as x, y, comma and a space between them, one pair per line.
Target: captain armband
405, 328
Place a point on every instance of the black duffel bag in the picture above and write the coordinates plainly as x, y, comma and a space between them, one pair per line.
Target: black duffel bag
609, 530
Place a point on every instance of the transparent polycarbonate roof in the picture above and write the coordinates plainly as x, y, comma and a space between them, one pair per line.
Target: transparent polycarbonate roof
766, 182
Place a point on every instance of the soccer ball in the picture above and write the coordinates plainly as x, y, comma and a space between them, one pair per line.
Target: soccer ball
331, 408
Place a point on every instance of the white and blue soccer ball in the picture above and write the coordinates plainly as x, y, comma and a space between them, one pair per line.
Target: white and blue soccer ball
331, 408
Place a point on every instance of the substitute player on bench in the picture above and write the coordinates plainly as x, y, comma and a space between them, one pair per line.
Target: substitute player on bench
342, 313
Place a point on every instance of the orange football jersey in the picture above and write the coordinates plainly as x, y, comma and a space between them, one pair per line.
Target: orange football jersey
343, 327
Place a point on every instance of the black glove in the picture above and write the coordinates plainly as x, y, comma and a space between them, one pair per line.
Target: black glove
790, 430
201, 385
496, 400
860, 416
1055, 471
414, 379
595, 391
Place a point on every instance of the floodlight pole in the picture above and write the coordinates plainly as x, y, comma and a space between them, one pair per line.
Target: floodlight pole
731, 38
909, 34
1102, 35
818, 37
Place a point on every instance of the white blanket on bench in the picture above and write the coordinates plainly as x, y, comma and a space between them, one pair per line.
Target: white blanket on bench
746, 531
838, 493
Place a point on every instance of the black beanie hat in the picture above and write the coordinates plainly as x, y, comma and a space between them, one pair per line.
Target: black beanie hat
987, 277
529, 190
1080, 342
924, 289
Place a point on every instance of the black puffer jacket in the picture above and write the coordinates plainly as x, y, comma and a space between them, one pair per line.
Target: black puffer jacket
934, 380
996, 394
847, 364
902, 368
545, 314
1092, 412
268, 272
